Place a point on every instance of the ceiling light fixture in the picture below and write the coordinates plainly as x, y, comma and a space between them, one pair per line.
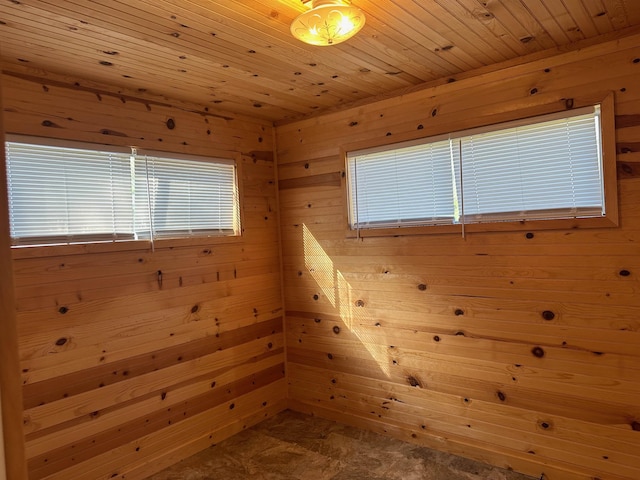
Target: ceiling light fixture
329, 22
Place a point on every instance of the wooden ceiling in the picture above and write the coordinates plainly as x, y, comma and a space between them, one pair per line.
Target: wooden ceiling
238, 55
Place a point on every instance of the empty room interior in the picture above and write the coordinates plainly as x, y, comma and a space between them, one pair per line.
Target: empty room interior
413, 221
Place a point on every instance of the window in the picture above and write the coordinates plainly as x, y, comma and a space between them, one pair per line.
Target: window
542, 168
70, 194
187, 197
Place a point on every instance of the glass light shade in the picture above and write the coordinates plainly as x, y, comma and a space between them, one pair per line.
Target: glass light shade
329, 22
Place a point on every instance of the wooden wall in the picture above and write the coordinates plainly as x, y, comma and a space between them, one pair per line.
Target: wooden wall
131, 358
12, 454
443, 340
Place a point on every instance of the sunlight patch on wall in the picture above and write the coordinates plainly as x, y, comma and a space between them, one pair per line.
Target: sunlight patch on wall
340, 294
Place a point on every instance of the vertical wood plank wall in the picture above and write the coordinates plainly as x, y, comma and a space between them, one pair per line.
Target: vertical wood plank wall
133, 359
444, 341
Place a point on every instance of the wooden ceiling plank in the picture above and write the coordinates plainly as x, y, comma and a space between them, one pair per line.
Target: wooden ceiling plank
547, 20
200, 46
447, 24
147, 50
530, 24
515, 28
240, 57
309, 106
70, 86
236, 101
418, 31
491, 26
581, 17
562, 15
632, 7
52, 43
386, 52
599, 15
241, 44
280, 46
617, 13
472, 24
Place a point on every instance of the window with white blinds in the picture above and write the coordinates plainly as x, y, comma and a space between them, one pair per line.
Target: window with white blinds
63, 194
187, 197
546, 167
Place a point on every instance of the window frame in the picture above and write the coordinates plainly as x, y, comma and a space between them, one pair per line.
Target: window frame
106, 245
608, 146
237, 214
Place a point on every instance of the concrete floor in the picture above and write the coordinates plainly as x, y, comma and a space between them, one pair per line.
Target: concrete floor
293, 446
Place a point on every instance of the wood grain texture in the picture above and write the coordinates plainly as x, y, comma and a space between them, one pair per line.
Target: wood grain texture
235, 58
515, 348
122, 372
519, 348
12, 464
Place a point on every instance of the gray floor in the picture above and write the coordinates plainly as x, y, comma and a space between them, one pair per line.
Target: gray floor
295, 446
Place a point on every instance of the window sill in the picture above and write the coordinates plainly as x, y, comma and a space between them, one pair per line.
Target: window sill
34, 251
536, 225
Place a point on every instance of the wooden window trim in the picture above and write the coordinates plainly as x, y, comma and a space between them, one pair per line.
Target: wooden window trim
143, 245
609, 154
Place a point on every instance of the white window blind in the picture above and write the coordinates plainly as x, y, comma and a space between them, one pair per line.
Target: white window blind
188, 197
550, 169
64, 195
543, 168
403, 186
61, 194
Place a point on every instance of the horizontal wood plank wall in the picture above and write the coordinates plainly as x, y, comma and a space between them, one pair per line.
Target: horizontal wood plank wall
133, 359
519, 350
